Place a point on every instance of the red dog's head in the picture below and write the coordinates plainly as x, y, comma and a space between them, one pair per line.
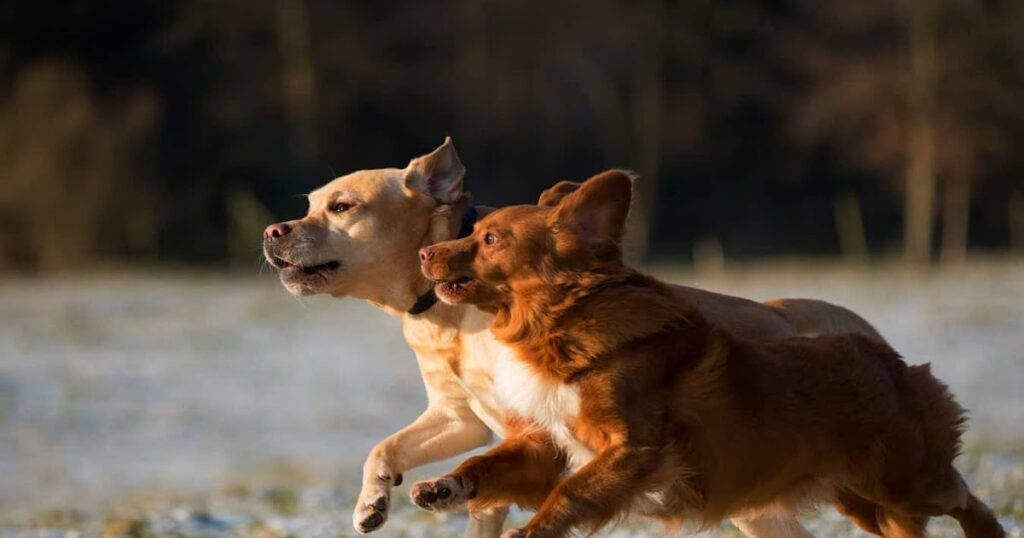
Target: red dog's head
519, 247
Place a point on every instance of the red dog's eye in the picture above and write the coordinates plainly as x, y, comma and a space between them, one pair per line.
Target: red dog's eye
489, 238
340, 207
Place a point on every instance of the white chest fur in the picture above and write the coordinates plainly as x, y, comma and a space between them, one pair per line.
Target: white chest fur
552, 407
522, 393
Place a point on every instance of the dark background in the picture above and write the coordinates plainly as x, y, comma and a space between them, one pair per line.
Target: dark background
143, 132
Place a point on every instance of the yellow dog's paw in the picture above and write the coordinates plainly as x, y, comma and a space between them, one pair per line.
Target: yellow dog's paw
374, 501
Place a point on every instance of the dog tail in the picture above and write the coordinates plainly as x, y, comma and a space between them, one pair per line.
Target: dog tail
939, 421
942, 422
942, 418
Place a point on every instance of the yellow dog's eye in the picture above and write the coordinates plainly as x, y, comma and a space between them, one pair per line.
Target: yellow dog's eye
341, 207
490, 238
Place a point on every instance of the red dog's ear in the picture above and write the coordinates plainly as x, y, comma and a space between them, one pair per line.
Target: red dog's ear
596, 212
554, 195
437, 174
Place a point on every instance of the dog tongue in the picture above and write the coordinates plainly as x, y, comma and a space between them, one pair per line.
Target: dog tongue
453, 285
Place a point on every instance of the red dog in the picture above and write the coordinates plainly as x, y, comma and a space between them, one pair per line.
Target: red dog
654, 410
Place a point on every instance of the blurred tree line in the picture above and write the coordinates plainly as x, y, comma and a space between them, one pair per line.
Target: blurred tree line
162, 131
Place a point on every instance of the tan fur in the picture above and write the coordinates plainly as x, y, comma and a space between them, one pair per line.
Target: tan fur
676, 417
394, 213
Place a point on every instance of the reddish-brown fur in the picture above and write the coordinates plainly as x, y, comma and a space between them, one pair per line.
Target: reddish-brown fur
669, 403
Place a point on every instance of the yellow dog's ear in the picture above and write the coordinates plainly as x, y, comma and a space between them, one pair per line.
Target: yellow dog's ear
437, 174
595, 213
552, 196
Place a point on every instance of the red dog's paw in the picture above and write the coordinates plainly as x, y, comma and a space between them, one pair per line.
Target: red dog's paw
441, 494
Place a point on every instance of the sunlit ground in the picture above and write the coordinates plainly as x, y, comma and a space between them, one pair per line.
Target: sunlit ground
201, 405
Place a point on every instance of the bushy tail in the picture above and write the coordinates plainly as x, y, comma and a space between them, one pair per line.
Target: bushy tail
941, 416
940, 422
944, 422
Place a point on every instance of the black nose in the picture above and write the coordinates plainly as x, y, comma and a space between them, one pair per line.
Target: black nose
426, 254
274, 231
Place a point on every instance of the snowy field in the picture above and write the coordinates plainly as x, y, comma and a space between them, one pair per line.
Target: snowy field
218, 405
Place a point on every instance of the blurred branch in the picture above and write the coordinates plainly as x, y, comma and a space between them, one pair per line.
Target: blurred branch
920, 178
850, 225
1015, 210
298, 77
647, 125
956, 208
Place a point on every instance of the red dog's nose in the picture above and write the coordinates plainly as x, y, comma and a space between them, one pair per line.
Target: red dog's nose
426, 254
274, 231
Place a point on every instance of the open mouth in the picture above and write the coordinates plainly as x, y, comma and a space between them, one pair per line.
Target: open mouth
453, 290
284, 265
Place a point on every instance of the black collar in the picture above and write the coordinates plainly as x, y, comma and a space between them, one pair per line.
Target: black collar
429, 299
424, 302
468, 220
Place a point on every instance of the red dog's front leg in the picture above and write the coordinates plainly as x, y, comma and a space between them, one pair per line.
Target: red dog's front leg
522, 470
597, 493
